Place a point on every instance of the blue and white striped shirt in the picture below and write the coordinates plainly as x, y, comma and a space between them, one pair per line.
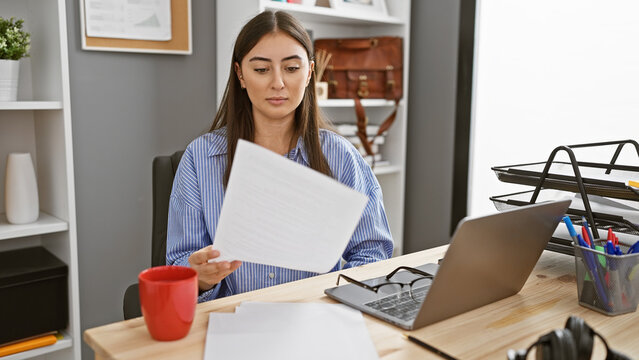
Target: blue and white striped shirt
198, 192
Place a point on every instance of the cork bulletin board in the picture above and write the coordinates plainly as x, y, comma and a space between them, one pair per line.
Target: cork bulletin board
180, 42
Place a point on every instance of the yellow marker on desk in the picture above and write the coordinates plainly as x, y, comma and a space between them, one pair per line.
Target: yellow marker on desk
634, 184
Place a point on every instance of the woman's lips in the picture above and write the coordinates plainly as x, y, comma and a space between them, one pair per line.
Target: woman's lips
276, 100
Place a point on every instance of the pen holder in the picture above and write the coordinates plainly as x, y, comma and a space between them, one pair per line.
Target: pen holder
607, 283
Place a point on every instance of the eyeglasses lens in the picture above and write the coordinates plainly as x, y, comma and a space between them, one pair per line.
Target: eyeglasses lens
387, 294
419, 288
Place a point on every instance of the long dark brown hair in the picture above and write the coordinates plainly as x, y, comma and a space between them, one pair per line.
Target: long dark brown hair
235, 111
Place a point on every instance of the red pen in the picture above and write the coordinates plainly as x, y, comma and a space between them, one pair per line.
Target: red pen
611, 236
584, 233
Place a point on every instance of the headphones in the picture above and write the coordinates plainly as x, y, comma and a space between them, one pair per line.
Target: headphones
574, 342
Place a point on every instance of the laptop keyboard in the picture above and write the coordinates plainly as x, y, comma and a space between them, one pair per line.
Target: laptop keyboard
402, 306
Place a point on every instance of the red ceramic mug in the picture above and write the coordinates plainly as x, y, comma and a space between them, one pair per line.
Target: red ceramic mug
168, 295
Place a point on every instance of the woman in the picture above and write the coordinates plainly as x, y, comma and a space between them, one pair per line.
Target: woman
269, 100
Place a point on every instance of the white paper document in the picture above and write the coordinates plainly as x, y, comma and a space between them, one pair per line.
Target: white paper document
277, 212
129, 19
289, 331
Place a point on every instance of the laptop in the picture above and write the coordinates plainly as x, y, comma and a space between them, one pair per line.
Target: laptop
489, 258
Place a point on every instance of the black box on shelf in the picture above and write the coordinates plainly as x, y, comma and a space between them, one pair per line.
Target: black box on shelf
33, 293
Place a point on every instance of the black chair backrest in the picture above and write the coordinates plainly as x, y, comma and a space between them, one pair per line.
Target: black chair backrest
164, 168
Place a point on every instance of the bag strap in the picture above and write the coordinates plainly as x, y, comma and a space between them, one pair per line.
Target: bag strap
357, 44
362, 122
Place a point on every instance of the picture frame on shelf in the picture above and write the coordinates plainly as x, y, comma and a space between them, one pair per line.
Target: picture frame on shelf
361, 6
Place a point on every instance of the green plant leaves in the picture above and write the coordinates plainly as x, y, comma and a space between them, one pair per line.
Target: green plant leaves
14, 42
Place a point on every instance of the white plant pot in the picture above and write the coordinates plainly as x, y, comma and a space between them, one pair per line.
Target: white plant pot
21, 190
9, 70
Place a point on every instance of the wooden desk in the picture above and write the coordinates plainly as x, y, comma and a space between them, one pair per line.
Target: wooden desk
545, 302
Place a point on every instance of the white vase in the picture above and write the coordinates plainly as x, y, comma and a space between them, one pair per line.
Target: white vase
321, 90
21, 190
9, 70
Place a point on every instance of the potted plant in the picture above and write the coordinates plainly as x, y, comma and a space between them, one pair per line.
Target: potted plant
14, 45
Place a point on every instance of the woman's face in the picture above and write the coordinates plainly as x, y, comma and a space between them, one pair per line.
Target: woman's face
275, 74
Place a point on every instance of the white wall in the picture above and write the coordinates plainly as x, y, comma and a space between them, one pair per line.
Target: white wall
550, 73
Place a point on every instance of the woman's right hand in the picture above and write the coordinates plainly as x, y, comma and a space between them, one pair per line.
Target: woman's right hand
209, 274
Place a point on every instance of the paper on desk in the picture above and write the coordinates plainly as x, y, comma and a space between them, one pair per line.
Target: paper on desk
277, 212
289, 331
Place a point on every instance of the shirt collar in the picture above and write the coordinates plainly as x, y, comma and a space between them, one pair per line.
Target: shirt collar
218, 145
301, 150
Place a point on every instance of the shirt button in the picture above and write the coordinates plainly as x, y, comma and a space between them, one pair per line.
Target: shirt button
271, 275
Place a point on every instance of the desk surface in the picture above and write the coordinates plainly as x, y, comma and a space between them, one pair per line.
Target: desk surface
547, 299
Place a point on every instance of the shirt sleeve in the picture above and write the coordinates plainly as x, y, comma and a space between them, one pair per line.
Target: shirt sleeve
186, 229
372, 240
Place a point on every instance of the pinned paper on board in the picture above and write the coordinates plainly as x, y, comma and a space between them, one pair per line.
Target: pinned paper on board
146, 26
129, 19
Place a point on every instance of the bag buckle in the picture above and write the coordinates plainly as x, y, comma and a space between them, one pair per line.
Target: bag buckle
390, 82
362, 88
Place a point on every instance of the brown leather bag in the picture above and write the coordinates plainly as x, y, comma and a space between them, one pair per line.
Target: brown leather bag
365, 68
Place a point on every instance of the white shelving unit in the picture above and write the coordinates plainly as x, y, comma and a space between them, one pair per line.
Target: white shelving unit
40, 123
327, 22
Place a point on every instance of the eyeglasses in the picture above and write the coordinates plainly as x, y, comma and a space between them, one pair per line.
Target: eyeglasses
416, 286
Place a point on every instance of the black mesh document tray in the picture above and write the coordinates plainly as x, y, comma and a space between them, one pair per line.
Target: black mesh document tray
562, 177
589, 180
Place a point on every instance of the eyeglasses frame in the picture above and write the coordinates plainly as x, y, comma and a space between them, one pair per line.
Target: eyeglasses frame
390, 275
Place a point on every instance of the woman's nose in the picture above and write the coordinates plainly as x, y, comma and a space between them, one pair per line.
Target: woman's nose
277, 81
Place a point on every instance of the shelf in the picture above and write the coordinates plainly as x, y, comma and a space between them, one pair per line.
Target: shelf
31, 105
349, 103
322, 14
59, 345
40, 124
44, 225
389, 169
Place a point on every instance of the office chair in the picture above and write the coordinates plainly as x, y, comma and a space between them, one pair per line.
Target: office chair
164, 168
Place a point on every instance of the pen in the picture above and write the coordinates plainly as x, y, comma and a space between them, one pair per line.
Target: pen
633, 183
634, 248
584, 234
591, 262
592, 239
615, 281
429, 347
571, 229
610, 248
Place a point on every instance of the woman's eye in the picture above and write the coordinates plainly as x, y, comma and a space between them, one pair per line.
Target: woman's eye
261, 70
292, 68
